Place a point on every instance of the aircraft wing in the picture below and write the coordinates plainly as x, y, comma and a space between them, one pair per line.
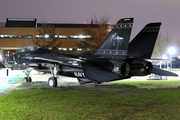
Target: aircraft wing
97, 73
61, 60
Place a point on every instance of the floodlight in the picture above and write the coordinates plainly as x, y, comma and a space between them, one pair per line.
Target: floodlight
171, 50
164, 57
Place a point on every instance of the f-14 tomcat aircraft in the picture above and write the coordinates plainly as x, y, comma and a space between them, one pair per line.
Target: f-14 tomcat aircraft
116, 58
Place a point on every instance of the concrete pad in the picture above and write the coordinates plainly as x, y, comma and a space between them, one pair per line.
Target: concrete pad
40, 81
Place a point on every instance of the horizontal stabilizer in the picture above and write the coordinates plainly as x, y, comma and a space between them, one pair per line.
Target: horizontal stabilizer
98, 74
163, 72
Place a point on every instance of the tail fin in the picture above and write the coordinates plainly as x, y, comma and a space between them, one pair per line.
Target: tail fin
116, 43
143, 44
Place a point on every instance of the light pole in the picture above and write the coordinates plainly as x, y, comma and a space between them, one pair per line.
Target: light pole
171, 51
165, 57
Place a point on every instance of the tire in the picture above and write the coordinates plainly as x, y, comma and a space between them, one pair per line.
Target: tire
30, 79
52, 82
25, 79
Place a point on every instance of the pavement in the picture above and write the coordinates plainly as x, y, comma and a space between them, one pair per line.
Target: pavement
14, 81
11, 82
42, 83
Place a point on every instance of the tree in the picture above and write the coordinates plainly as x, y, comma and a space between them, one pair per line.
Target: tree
46, 38
162, 44
26, 42
97, 31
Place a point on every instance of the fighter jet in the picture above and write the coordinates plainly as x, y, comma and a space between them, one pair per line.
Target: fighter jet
116, 58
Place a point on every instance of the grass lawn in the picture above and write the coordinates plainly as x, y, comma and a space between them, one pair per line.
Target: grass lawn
170, 83
107, 102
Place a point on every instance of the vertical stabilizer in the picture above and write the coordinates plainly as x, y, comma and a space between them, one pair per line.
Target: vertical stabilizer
143, 44
116, 43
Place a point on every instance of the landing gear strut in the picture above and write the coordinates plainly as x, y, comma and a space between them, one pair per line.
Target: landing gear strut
53, 80
27, 72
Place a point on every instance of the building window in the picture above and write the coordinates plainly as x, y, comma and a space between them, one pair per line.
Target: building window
61, 36
79, 36
16, 36
47, 36
72, 49
62, 49
79, 49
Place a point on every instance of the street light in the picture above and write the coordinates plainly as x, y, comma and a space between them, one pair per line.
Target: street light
171, 51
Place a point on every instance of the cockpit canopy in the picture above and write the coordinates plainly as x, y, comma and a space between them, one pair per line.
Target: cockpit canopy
26, 49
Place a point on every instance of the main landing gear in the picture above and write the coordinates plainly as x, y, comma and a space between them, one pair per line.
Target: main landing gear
53, 80
27, 72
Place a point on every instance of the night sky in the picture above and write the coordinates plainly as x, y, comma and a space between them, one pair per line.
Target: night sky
80, 11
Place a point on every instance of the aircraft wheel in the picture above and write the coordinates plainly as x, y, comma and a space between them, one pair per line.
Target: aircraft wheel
30, 80
25, 79
52, 82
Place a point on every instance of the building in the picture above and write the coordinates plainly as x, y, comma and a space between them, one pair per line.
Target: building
16, 33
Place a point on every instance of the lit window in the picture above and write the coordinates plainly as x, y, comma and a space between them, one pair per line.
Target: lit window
16, 36
62, 36
64, 49
46, 36
11, 36
60, 49
37, 36
70, 49
80, 36
79, 49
